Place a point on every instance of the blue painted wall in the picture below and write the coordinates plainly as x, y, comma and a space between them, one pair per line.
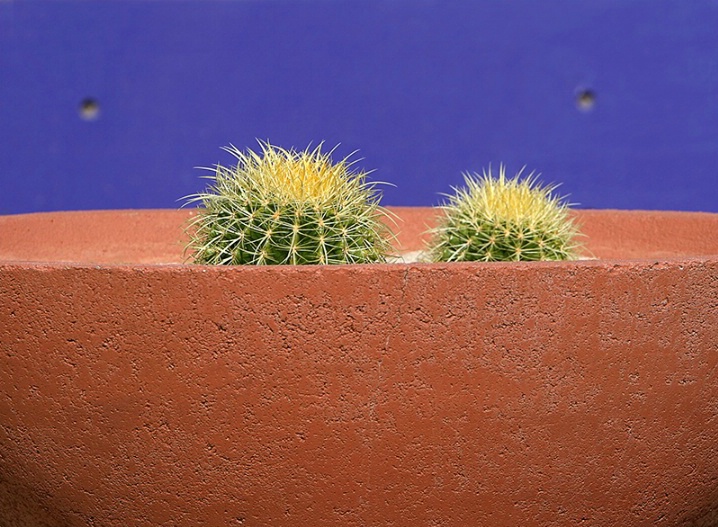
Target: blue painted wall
424, 89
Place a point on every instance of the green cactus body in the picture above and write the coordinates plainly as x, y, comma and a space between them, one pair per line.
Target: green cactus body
287, 207
504, 219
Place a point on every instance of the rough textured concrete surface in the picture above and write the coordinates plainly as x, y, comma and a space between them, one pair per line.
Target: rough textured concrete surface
137, 391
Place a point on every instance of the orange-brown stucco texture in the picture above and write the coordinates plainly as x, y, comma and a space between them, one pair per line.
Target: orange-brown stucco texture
532, 394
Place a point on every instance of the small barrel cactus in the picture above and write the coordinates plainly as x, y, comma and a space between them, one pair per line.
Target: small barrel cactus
287, 207
504, 219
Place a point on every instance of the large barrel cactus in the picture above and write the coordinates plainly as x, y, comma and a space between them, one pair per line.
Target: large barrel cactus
280, 206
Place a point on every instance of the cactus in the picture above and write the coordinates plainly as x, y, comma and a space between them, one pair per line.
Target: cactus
504, 219
287, 207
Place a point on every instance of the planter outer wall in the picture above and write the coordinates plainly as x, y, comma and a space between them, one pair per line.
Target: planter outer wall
462, 394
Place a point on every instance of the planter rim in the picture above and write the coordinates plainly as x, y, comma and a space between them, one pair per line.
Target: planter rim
11, 224
615, 263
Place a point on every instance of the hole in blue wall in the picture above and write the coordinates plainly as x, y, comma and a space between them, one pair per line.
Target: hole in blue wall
585, 99
89, 109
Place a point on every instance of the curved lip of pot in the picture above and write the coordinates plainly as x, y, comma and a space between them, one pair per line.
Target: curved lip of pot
19, 232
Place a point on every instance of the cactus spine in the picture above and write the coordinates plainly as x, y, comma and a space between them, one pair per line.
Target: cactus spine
288, 207
504, 219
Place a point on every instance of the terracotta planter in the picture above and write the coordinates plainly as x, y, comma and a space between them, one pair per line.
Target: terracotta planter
138, 392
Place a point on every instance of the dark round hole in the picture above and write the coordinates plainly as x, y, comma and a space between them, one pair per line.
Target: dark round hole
89, 109
585, 99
